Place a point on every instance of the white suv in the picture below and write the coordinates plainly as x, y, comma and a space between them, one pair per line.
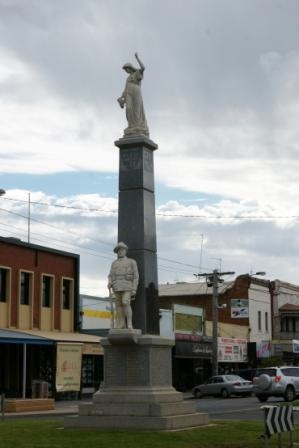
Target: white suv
277, 382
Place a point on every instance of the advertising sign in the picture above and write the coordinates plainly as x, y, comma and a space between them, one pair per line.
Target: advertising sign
68, 373
232, 350
295, 346
188, 319
263, 349
239, 308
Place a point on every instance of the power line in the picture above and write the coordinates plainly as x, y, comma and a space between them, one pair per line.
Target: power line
172, 215
89, 237
87, 250
55, 227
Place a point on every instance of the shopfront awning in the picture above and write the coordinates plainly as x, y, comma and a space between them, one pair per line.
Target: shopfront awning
91, 343
18, 337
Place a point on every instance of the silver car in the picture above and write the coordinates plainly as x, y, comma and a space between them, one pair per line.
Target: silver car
224, 385
277, 382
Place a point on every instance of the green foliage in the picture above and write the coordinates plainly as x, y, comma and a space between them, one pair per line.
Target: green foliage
40, 433
272, 361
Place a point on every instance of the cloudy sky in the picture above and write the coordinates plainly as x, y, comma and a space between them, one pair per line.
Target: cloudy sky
221, 93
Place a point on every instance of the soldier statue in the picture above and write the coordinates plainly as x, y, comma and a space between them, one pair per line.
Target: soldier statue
123, 281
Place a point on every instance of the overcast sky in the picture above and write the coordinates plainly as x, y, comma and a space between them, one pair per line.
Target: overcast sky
221, 94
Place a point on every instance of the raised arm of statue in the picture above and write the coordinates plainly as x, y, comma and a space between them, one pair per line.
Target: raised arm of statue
142, 68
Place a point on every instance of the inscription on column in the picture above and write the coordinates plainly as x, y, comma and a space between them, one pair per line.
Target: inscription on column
148, 162
113, 368
130, 160
161, 366
137, 372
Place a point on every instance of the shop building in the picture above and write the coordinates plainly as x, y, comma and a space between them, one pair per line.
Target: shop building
285, 299
244, 325
40, 346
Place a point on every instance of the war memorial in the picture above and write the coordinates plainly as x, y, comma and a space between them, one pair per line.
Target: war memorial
137, 391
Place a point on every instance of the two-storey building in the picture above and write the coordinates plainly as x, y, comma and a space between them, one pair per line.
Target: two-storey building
39, 320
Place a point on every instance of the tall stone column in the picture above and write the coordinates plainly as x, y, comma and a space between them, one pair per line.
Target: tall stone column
137, 225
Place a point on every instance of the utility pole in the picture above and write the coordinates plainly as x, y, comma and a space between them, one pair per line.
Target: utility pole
213, 279
29, 218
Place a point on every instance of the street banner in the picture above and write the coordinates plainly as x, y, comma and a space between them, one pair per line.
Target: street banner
68, 372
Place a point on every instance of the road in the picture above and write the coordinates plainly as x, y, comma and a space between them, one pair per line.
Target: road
236, 408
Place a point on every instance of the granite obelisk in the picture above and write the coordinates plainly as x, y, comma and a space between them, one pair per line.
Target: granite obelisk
137, 224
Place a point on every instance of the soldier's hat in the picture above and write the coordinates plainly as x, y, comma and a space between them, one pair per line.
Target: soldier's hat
120, 245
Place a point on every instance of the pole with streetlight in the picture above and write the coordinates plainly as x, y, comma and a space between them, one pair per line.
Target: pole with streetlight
213, 279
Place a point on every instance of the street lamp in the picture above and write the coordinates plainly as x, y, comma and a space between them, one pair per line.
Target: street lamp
257, 273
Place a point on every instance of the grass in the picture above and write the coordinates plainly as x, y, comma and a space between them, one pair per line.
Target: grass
40, 433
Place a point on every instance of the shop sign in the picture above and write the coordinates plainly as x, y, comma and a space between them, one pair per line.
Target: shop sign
189, 349
232, 350
188, 319
263, 349
201, 348
92, 349
68, 373
295, 346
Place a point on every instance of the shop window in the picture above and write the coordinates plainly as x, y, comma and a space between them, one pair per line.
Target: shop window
4, 279
47, 291
67, 293
25, 288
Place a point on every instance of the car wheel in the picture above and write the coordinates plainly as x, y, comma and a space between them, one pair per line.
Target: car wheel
224, 393
262, 398
289, 394
197, 393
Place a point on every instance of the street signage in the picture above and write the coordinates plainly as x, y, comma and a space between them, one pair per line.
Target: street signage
278, 419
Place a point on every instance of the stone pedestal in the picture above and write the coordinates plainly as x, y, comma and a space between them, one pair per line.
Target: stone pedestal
137, 391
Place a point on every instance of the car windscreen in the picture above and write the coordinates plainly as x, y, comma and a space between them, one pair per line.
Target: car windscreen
233, 378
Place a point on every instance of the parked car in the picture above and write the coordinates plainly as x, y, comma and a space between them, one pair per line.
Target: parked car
247, 374
224, 385
277, 382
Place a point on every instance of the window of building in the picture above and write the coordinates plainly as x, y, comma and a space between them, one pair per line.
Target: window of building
266, 322
288, 324
67, 291
47, 288
291, 324
25, 288
4, 278
259, 320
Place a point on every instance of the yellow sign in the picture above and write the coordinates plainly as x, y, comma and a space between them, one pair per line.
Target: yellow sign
68, 373
98, 314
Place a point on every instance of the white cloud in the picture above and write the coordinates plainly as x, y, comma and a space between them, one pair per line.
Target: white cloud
222, 102
235, 244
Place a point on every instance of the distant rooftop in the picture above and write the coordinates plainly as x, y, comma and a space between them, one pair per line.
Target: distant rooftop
190, 289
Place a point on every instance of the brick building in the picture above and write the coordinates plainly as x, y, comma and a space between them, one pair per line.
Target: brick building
241, 330
39, 312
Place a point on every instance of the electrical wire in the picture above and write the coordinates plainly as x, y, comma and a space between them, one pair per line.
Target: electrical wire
176, 215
